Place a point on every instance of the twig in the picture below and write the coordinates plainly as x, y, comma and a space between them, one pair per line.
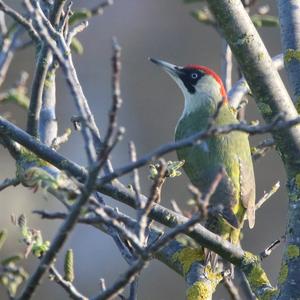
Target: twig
8, 182
93, 12
48, 125
241, 88
98, 10
129, 275
9, 46
176, 207
11, 145
136, 178
244, 285
66, 285
289, 14
275, 125
102, 284
267, 252
44, 61
182, 228
133, 290
154, 197
17, 94
67, 226
61, 139
262, 148
64, 27
3, 27
119, 192
268, 195
116, 87
231, 289
90, 220
48, 34
20, 20
118, 286
75, 30
226, 65
61, 236
123, 232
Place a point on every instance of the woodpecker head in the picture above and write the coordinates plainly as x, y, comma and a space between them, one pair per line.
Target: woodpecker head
199, 85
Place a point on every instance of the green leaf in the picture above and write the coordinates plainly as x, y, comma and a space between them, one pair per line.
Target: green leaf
265, 21
203, 16
173, 166
16, 96
79, 16
76, 46
11, 259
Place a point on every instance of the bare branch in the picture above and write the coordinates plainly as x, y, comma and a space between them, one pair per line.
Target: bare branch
8, 182
123, 232
176, 207
154, 197
268, 195
289, 15
102, 284
226, 65
241, 88
136, 179
267, 252
61, 139
9, 46
129, 275
20, 20
45, 59
3, 27
262, 148
275, 125
75, 30
90, 131
231, 288
98, 10
89, 13
66, 285
67, 226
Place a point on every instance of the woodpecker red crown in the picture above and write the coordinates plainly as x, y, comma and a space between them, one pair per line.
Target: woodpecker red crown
210, 72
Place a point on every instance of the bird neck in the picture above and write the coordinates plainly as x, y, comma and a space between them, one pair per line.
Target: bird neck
196, 117
205, 100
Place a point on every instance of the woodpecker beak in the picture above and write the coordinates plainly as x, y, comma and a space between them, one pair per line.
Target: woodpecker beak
171, 69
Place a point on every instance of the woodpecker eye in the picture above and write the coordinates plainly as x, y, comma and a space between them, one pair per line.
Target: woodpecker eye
194, 75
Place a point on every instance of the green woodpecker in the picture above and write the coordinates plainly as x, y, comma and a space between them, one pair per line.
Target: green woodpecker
204, 92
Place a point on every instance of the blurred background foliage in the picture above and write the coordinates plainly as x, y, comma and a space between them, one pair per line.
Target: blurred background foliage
152, 105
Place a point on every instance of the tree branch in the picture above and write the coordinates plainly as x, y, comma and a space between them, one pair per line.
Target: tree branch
20, 20
8, 182
66, 285
289, 19
45, 59
272, 98
241, 88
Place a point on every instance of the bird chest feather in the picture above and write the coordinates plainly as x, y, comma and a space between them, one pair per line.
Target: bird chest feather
231, 151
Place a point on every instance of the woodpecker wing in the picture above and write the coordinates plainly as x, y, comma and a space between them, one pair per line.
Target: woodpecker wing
247, 191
